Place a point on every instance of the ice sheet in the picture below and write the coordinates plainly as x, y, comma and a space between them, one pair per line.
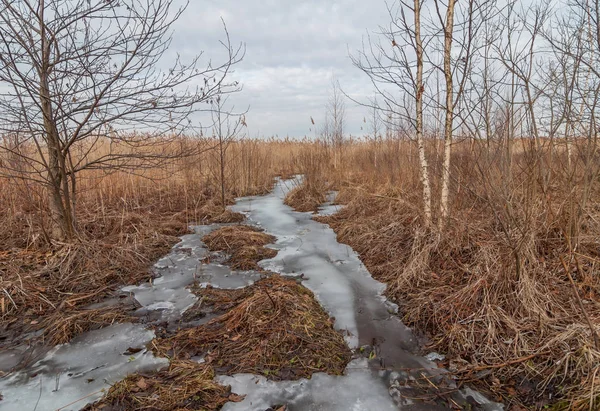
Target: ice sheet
358, 390
346, 290
168, 294
73, 375
333, 271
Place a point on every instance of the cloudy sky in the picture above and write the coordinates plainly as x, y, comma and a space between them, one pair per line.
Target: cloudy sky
293, 48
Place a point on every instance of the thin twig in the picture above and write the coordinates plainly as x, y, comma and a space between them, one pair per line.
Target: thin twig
583, 310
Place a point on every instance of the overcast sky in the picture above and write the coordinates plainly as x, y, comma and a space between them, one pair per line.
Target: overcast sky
293, 48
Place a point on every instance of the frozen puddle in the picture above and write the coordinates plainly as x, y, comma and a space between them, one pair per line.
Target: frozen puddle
358, 390
75, 374
168, 297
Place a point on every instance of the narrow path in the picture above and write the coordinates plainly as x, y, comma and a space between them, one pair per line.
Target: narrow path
387, 376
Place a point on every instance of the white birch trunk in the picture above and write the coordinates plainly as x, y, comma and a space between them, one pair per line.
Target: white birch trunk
448, 124
419, 120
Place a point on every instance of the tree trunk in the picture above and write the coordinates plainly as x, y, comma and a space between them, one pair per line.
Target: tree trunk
448, 124
222, 165
60, 200
419, 114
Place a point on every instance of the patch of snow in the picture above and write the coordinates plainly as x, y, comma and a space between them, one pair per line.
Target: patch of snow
434, 356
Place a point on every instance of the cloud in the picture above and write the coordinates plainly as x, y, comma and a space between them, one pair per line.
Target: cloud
292, 51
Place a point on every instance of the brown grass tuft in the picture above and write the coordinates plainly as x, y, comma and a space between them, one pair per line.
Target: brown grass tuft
232, 237
186, 385
60, 327
276, 328
305, 198
245, 258
245, 244
229, 216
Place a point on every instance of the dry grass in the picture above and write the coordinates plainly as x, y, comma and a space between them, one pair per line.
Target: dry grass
244, 244
61, 326
126, 221
50, 287
490, 290
312, 162
273, 328
306, 197
186, 385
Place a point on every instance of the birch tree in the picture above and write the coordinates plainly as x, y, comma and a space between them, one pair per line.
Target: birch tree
419, 90
448, 28
396, 66
463, 27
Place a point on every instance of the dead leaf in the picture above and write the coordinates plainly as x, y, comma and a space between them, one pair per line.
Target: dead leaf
235, 398
142, 384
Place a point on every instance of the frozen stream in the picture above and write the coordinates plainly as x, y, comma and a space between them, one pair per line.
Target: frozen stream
72, 375
344, 287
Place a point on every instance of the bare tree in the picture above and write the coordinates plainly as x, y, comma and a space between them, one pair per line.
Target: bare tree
448, 27
518, 53
419, 90
460, 28
575, 43
412, 65
396, 68
375, 126
75, 75
335, 121
226, 128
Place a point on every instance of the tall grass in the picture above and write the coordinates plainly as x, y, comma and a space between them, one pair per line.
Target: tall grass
491, 289
127, 218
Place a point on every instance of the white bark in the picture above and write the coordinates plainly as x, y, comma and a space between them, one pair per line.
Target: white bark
419, 89
448, 124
